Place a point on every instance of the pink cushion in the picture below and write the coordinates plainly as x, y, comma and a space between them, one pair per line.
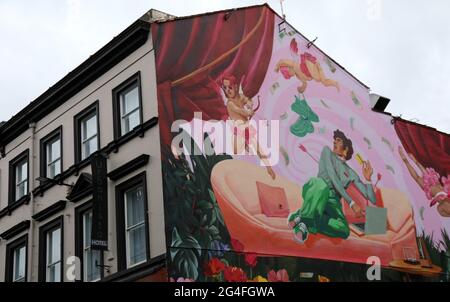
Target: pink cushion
273, 200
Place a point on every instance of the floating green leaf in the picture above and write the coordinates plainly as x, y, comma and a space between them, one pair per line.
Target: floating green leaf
388, 143
324, 104
355, 100
274, 87
421, 211
285, 155
388, 167
330, 64
368, 142
352, 123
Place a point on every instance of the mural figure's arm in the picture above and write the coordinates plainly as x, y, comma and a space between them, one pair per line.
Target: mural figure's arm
327, 162
232, 107
365, 189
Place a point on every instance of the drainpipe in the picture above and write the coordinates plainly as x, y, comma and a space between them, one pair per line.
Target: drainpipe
31, 165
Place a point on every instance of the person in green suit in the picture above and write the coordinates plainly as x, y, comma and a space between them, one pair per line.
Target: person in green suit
321, 211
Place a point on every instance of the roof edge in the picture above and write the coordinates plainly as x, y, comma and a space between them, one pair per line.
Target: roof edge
84, 74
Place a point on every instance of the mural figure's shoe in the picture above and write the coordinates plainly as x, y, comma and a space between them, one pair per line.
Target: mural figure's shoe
294, 219
301, 233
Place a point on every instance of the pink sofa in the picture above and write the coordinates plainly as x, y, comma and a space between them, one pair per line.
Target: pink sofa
234, 185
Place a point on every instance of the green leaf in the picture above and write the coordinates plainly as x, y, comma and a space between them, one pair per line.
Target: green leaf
205, 205
213, 230
211, 195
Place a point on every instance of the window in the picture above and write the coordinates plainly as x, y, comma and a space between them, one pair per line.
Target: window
91, 259
51, 154
53, 265
18, 180
135, 226
87, 132
91, 271
127, 105
132, 222
16, 260
51, 251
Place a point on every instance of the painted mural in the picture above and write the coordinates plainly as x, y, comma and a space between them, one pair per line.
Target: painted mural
333, 185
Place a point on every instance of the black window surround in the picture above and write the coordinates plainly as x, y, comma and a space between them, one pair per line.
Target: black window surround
111, 147
24, 156
55, 134
43, 231
79, 212
15, 230
129, 167
94, 108
127, 85
138, 180
50, 211
9, 261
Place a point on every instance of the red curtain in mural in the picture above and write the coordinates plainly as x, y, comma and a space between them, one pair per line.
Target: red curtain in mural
430, 147
192, 55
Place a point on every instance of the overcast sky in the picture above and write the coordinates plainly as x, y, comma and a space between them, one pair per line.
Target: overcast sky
399, 48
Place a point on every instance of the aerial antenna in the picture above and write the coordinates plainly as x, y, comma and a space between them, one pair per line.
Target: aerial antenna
282, 10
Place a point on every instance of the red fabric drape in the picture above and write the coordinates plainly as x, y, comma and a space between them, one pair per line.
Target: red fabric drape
430, 147
185, 45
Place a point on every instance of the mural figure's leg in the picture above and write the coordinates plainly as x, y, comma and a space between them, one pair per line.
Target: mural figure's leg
317, 73
301, 89
315, 198
333, 222
255, 148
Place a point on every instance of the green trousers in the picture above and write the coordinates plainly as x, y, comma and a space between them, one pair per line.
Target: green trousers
322, 210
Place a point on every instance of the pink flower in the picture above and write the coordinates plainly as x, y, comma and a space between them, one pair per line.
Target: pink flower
181, 279
280, 276
430, 180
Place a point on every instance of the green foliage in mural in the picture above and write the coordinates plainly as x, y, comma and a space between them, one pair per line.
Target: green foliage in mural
193, 218
184, 253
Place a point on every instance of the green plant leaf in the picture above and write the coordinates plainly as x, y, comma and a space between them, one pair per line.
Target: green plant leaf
211, 195
205, 205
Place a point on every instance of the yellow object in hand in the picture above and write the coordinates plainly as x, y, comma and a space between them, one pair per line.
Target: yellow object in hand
359, 159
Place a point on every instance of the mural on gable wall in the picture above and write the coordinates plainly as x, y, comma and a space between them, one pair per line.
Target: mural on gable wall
349, 184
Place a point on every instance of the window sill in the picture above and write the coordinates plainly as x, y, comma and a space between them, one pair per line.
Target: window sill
139, 271
14, 205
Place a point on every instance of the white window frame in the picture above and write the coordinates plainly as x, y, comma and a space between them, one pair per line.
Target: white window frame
48, 161
130, 228
48, 251
17, 249
86, 249
125, 115
83, 132
23, 181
